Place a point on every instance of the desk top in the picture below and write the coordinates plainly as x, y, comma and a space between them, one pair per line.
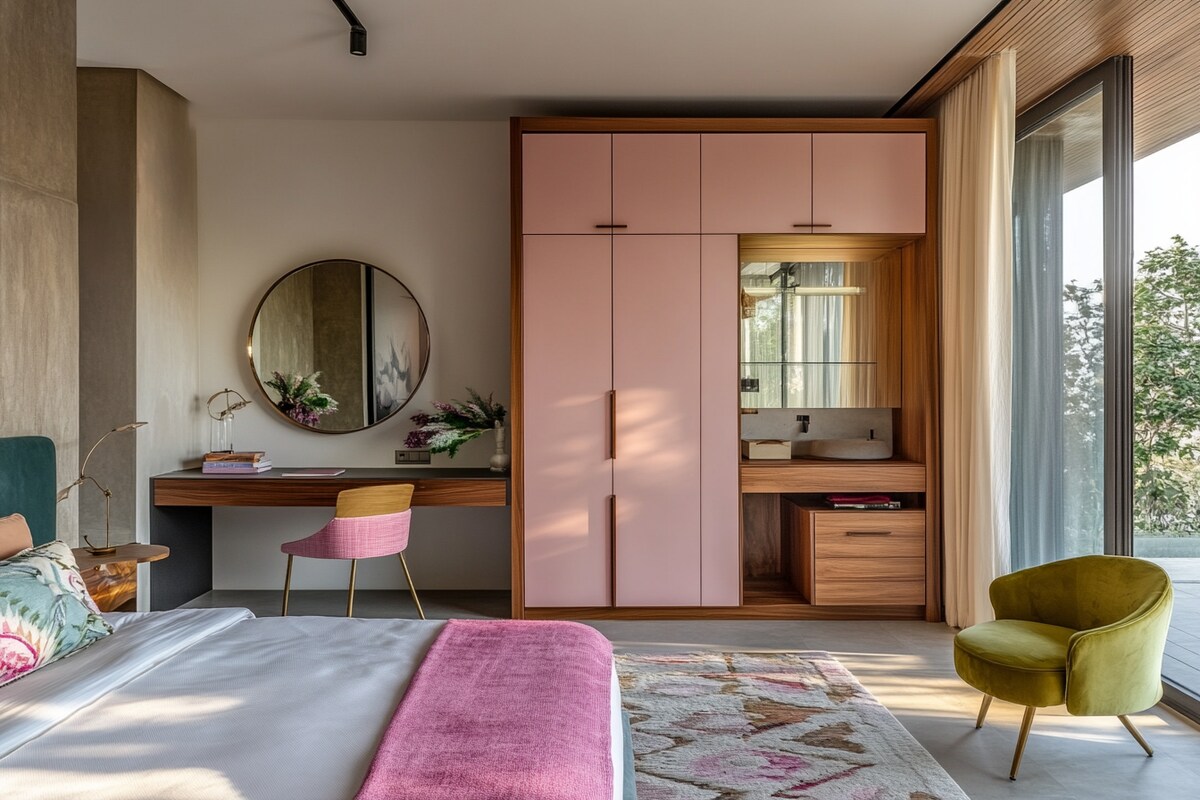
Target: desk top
434, 486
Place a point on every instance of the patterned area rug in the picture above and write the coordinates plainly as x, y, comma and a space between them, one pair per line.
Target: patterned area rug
758, 726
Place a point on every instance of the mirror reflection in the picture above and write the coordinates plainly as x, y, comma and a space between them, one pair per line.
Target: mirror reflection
338, 346
819, 334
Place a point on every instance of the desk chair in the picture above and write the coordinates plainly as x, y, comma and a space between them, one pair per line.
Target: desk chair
1088, 632
368, 523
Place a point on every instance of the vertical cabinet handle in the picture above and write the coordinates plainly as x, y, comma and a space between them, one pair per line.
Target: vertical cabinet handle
612, 424
612, 550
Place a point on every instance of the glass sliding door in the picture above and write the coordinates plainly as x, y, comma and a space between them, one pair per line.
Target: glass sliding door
1071, 457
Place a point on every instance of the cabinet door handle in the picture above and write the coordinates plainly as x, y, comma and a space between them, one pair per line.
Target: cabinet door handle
806, 225
612, 550
612, 424
610, 227
868, 533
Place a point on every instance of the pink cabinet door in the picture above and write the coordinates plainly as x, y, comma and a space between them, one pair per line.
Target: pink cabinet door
567, 347
656, 376
656, 182
869, 182
566, 182
720, 448
755, 182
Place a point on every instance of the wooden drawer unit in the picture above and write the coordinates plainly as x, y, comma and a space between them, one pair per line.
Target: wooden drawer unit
859, 557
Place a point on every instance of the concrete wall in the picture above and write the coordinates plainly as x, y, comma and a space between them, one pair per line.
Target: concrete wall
39, 275
108, 291
428, 202
139, 324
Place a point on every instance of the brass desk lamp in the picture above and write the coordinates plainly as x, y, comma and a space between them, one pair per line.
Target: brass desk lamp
108, 548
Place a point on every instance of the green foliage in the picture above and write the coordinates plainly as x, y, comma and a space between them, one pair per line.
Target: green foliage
1166, 391
1166, 394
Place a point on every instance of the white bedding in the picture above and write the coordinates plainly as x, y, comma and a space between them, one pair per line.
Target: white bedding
214, 704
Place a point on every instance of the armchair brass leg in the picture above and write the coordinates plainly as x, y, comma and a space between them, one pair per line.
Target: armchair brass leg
411, 588
983, 709
350, 601
1129, 726
1026, 724
287, 585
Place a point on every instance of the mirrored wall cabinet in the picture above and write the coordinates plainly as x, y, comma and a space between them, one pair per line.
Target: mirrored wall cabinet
671, 276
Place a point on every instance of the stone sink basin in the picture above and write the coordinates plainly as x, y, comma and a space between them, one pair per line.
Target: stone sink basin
852, 449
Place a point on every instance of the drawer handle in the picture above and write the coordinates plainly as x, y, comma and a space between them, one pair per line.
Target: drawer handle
868, 533
807, 225
609, 227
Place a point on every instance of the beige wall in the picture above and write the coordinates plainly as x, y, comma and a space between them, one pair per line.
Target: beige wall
426, 201
139, 322
39, 277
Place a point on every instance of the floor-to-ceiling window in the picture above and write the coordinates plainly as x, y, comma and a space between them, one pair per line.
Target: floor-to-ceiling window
1166, 393
1071, 288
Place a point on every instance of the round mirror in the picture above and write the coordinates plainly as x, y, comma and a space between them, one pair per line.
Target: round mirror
338, 346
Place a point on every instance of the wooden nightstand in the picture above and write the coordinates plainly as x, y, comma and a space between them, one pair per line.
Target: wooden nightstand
112, 579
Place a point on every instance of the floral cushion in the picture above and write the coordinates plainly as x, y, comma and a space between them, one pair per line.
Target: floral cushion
45, 610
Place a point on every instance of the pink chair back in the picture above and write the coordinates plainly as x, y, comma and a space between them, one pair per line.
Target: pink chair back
356, 537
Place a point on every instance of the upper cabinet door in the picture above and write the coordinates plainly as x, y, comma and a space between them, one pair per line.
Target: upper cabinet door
656, 182
756, 182
566, 183
869, 182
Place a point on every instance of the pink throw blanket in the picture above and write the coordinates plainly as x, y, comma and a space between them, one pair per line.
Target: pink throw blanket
502, 710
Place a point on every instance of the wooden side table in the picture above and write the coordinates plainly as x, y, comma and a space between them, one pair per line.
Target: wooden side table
112, 579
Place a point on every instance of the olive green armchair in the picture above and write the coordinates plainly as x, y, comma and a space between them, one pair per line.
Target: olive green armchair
1088, 632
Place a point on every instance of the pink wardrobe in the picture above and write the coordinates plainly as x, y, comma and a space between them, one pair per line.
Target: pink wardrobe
626, 493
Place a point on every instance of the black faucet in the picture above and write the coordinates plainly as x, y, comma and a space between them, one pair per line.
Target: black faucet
803, 420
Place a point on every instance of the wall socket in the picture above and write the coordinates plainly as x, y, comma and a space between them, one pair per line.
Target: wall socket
412, 456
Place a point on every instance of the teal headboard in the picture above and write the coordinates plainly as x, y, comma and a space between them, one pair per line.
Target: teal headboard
28, 483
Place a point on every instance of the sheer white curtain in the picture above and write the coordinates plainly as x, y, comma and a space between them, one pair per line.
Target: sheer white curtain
977, 119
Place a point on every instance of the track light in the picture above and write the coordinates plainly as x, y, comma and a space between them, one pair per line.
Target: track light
358, 34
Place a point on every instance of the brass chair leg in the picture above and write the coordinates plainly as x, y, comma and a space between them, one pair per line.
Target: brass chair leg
1026, 724
287, 585
350, 601
411, 588
983, 709
1129, 726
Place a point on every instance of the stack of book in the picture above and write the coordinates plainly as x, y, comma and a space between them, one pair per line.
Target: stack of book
868, 502
248, 462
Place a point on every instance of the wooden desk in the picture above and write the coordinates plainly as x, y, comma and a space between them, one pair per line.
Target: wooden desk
182, 502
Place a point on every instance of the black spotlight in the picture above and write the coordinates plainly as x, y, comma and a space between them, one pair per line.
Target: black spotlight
358, 34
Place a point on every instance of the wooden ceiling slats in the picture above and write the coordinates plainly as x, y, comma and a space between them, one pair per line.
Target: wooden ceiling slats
1056, 40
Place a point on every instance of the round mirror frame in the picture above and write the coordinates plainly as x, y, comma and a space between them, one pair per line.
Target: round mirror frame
258, 382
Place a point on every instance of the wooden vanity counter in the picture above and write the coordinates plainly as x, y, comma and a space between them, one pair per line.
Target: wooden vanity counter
825, 475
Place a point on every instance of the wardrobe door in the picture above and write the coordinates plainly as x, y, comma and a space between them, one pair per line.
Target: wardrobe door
656, 377
566, 184
720, 448
656, 182
567, 358
869, 182
756, 182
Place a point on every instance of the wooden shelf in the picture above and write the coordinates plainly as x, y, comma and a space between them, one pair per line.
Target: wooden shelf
770, 592
139, 553
801, 476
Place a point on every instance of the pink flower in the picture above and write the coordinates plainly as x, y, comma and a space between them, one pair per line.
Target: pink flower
17, 656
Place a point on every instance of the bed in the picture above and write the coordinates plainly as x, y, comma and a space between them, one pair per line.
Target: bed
218, 704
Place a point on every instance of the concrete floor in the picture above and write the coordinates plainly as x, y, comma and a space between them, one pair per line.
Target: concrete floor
908, 666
